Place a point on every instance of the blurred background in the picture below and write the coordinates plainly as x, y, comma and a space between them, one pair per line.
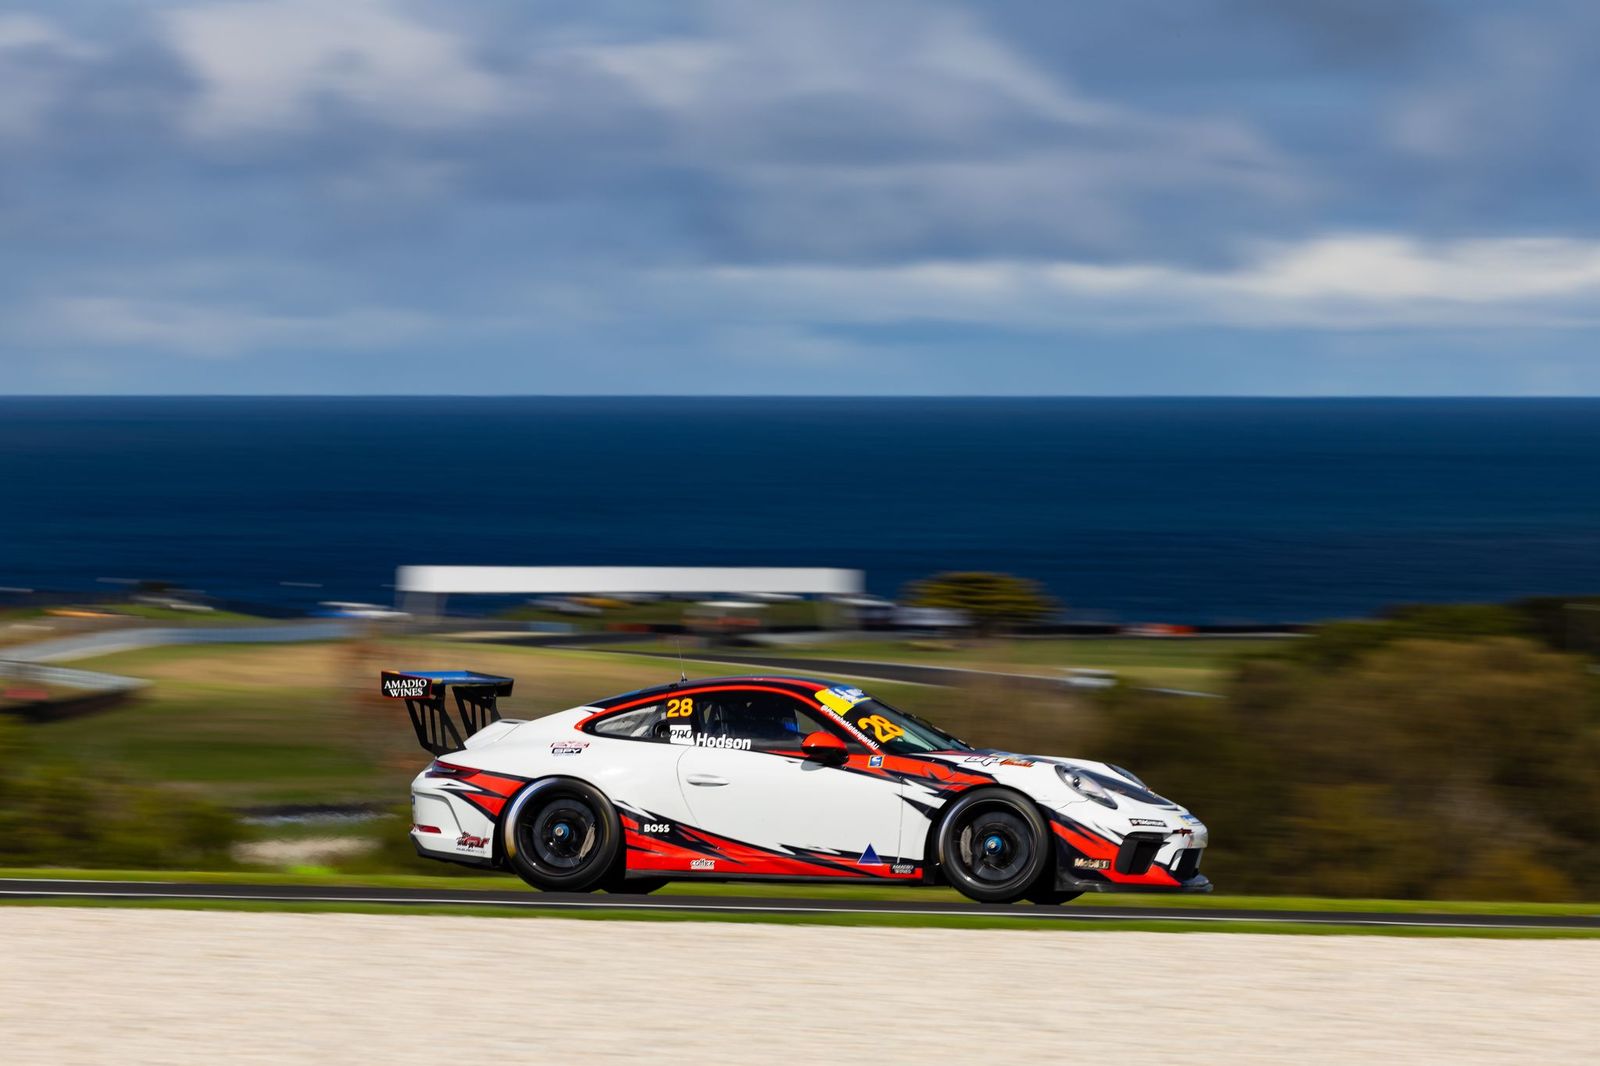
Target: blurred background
1208, 388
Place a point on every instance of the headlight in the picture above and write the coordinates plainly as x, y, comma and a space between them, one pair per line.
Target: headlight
1129, 775
1086, 786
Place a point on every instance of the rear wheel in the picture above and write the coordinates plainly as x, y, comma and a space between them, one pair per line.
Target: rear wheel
562, 835
993, 845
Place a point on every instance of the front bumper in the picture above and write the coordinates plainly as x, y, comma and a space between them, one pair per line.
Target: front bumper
1142, 862
1066, 882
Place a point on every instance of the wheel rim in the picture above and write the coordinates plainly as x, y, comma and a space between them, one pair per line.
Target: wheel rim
561, 836
994, 846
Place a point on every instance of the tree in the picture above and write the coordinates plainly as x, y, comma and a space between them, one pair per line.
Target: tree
1565, 623
1416, 768
992, 601
1336, 645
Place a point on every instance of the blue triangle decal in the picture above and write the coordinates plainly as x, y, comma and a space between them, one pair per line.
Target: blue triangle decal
869, 858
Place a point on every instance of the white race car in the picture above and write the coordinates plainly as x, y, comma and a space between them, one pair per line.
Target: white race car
775, 779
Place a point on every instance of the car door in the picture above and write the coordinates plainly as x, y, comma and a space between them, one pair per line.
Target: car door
745, 778
638, 768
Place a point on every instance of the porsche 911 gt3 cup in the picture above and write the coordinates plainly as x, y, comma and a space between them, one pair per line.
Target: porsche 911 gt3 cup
777, 779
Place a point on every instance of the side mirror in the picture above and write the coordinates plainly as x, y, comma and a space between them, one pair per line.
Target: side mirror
824, 747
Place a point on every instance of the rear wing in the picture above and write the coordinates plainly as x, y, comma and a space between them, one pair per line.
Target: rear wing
425, 693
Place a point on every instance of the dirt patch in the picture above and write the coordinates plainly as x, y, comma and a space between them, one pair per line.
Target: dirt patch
281, 667
131, 986
546, 680
304, 851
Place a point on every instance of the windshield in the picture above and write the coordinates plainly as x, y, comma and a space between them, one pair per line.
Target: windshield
897, 732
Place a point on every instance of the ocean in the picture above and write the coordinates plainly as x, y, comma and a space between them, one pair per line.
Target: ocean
1168, 510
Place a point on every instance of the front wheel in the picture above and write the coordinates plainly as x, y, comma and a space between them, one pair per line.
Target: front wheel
993, 845
562, 835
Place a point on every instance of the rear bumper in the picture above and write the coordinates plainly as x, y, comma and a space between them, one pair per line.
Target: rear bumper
444, 827
460, 860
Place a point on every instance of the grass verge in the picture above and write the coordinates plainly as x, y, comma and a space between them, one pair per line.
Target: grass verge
507, 883
1188, 662
861, 919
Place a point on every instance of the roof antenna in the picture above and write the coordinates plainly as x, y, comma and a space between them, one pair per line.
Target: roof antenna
683, 673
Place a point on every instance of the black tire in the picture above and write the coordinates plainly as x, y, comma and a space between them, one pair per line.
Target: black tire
1050, 897
993, 845
562, 835
636, 886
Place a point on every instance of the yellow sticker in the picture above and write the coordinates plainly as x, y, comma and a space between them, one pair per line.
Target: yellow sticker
834, 702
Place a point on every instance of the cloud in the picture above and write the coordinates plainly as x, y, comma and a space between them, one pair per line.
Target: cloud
1354, 31
35, 60
826, 129
1510, 92
214, 330
1499, 121
271, 66
891, 131
934, 67
29, 31
1335, 283
763, 193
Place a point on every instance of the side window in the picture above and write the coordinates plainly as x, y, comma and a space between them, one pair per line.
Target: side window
755, 721
640, 723
680, 715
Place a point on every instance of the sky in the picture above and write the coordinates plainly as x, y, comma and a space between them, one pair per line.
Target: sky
1241, 197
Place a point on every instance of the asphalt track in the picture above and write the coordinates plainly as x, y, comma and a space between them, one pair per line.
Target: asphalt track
712, 906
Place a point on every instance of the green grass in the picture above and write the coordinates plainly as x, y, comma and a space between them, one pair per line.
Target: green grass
856, 919
863, 892
240, 748
1188, 662
240, 740
205, 659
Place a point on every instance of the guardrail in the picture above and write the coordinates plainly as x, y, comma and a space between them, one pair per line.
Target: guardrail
93, 691
97, 691
106, 642
66, 677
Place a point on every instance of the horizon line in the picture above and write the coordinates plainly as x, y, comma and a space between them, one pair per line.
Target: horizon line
779, 396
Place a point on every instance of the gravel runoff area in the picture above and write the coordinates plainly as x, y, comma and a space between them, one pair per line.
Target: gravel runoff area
104, 985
